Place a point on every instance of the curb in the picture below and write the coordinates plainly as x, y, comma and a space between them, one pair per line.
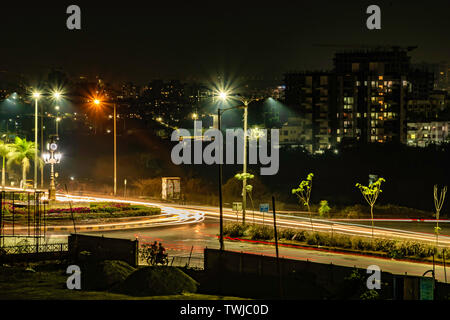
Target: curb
105, 227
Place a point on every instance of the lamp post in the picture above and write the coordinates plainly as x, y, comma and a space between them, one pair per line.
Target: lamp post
98, 102
36, 96
52, 158
245, 102
219, 125
56, 95
57, 119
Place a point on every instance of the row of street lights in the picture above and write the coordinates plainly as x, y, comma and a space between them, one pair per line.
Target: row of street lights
49, 158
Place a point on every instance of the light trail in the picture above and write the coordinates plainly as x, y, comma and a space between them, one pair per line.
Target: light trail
196, 214
169, 216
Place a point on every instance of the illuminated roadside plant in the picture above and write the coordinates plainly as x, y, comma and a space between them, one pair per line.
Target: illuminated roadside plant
248, 189
371, 194
324, 208
5, 150
22, 153
303, 193
438, 202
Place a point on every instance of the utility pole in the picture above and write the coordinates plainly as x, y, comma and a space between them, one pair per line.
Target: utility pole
42, 145
115, 151
35, 143
220, 185
244, 181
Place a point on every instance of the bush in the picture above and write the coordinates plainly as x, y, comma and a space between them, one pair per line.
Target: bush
299, 236
158, 280
287, 234
257, 232
234, 230
104, 275
324, 208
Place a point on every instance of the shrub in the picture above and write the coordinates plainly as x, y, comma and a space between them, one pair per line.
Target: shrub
161, 280
234, 230
287, 234
105, 275
299, 236
324, 208
257, 232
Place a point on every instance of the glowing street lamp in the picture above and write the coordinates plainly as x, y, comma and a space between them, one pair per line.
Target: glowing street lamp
245, 102
97, 102
223, 95
36, 96
52, 158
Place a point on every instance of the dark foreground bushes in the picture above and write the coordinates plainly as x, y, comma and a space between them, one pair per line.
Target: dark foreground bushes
120, 277
158, 280
105, 275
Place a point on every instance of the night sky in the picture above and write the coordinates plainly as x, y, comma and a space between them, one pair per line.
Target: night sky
130, 40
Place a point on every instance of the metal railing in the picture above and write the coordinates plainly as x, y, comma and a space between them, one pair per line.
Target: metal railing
196, 262
32, 248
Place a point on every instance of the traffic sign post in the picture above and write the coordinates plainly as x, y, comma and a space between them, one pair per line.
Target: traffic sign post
263, 207
237, 206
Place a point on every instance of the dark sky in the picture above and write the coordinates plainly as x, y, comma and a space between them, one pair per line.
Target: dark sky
147, 39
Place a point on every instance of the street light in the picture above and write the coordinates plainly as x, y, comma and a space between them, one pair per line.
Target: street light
97, 102
52, 158
224, 95
36, 96
245, 102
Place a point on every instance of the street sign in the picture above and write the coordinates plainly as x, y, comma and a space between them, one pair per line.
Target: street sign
264, 207
237, 206
426, 288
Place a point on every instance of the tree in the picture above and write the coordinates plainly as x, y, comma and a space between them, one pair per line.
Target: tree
371, 194
248, 188
303, 192
5, 149
22, 151
438, 202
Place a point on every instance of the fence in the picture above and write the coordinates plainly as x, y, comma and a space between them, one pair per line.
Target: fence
196, 262
102, 248
23, 213
31, 248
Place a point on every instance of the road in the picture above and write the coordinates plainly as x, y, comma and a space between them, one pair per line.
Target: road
197, 227
179, 240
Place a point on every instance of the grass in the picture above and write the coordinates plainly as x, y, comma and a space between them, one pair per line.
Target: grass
17, 284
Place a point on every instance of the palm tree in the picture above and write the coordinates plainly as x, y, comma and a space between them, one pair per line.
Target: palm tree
5, 149
22, 152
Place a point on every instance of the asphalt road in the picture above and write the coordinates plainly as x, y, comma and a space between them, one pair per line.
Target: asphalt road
198, 227
180, 239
